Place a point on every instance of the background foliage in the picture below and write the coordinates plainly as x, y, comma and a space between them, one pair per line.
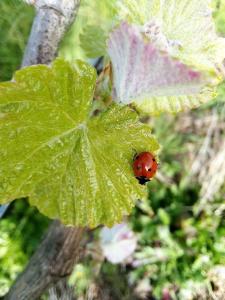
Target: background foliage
178, 243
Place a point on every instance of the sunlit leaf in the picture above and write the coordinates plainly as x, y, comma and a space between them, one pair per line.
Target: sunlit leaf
72, 166
188, 22
152, 78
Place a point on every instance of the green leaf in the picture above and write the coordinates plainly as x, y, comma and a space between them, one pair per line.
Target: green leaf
93, 41
98, 19
70, 165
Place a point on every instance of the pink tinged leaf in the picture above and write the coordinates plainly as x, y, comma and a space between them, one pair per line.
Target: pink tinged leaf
141, 70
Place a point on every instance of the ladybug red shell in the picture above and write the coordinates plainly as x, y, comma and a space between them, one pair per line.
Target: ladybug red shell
144, 166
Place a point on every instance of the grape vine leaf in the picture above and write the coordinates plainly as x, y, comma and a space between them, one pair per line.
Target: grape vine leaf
189, 22
185, 30
70, 165
151, 78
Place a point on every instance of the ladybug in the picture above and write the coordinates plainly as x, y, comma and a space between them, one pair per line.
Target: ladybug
144, 166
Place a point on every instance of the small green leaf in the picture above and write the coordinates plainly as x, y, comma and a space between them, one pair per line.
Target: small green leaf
71, 166
93, 41
164, 216
91, 29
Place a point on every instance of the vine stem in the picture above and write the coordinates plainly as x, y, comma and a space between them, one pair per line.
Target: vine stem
52, 20
62, 246
53, 260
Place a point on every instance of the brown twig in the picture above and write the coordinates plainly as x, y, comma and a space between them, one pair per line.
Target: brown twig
50, 24
52, 261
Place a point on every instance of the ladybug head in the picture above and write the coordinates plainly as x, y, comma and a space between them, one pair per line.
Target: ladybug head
142, 180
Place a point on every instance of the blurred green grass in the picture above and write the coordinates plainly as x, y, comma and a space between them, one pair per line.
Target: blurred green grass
20, 232
15, 22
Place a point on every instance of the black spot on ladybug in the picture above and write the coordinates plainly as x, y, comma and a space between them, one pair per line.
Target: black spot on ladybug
138, 168
149, 169
153, 159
